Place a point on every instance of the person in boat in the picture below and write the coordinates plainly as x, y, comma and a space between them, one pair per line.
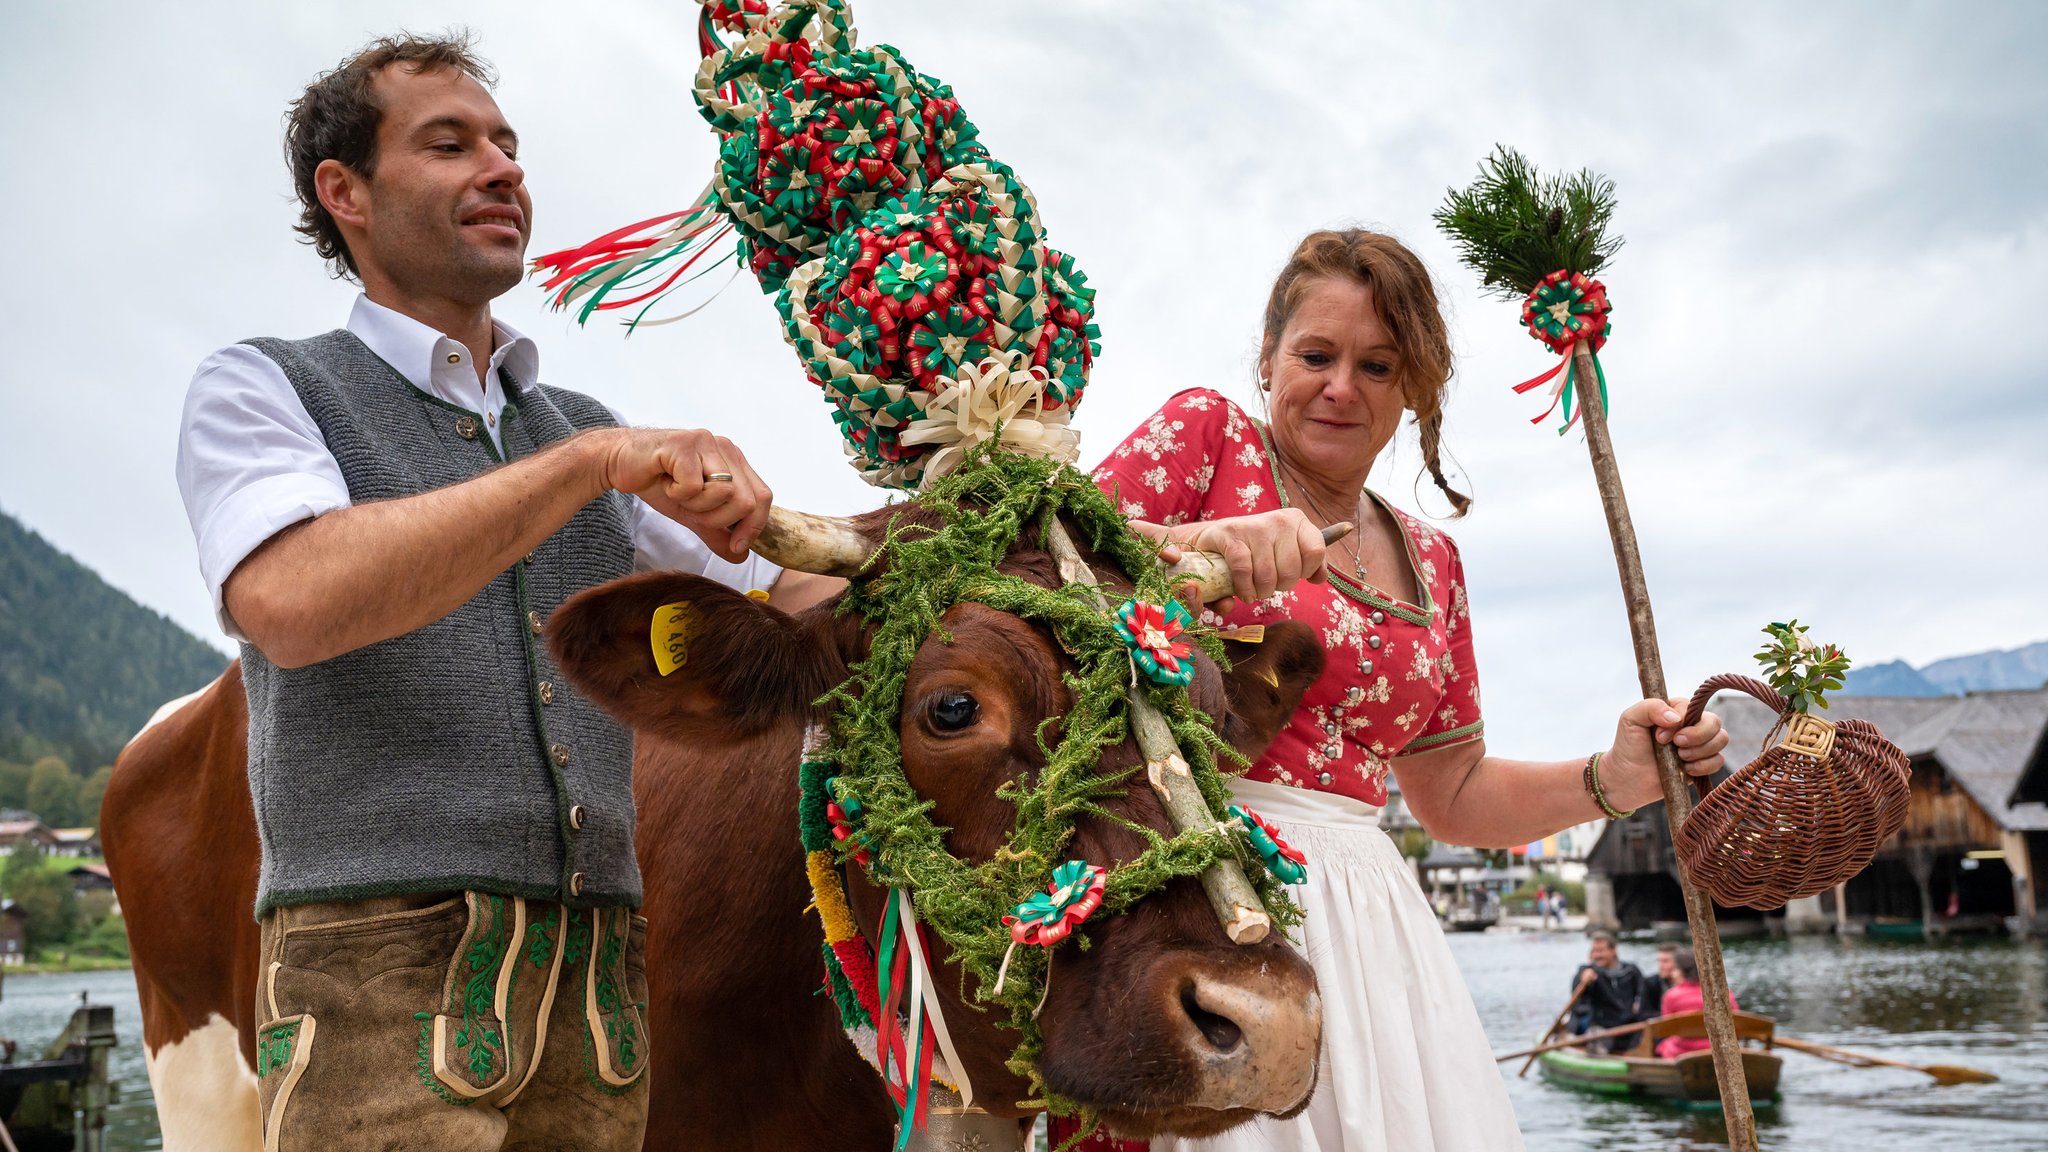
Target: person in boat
1667, 975
1354, 347
1682, 997
1611, 992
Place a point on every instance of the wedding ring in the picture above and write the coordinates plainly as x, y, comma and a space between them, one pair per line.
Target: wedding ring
718, 478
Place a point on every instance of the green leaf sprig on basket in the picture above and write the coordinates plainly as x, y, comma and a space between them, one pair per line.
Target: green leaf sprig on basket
1514, 226
1799, 669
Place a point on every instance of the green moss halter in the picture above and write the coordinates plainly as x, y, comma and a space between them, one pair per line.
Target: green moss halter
986, 507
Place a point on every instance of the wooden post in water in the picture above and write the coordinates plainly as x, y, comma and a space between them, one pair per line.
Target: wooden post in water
1642, 626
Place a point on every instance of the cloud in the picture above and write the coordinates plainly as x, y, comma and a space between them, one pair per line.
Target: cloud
1827, 362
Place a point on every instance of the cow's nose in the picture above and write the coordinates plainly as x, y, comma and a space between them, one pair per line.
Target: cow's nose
1256, 1046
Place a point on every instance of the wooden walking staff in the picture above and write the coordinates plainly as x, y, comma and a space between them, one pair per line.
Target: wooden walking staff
1542, 240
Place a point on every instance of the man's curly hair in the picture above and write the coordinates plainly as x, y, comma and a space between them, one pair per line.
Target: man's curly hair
336, 118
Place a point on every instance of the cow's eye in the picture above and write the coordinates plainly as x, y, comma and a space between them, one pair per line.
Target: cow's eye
954, 711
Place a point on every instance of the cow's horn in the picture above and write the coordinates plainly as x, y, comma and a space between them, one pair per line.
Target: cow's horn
1210, 573
825, 545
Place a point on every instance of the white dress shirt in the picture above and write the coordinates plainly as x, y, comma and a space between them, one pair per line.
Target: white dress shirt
252, 462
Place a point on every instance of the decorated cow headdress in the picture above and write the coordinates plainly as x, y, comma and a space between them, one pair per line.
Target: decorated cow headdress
915, 283
910, 268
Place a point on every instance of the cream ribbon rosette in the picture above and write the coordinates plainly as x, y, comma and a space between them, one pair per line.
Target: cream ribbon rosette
1003, 399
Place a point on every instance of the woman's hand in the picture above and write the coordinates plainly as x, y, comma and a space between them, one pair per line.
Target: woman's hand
1628, 772
1267, 553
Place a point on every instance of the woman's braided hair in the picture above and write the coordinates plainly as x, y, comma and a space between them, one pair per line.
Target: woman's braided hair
1405, 299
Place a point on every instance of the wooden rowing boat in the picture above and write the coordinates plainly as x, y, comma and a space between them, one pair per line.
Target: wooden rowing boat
1638, 1072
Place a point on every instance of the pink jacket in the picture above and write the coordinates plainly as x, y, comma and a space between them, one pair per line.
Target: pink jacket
1680, 998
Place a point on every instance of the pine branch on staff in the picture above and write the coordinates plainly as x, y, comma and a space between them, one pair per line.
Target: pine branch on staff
1543, 240
1515, 226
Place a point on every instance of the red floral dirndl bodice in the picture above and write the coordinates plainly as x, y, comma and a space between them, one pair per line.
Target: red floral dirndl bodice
1398, 677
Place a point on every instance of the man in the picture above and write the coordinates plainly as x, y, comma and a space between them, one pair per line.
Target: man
1610, 994
386, 516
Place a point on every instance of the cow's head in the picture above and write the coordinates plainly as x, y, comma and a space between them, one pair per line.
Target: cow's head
1160, 1022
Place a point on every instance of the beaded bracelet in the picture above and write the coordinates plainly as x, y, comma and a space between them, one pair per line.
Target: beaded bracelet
1599, 795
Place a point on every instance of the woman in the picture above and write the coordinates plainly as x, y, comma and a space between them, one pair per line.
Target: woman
1353, 339
1685, 996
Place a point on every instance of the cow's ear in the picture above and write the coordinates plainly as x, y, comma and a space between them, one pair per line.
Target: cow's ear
734, 665
1266, 682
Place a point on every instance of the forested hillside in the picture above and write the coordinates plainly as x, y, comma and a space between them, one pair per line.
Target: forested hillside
81, 667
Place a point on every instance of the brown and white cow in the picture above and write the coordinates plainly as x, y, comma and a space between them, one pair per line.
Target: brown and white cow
1162, 1023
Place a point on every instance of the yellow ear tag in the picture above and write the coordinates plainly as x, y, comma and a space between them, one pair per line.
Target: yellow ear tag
758, 595
670, 635
1249, 634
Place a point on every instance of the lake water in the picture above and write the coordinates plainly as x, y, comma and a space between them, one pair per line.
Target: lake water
1973, 1002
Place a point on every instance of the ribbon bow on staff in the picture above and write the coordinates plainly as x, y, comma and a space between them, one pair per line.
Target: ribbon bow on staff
1564, 310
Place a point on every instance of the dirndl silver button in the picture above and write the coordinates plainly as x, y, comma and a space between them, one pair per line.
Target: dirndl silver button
1324, 778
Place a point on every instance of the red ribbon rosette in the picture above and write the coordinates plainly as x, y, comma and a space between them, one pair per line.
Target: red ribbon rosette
1048, 917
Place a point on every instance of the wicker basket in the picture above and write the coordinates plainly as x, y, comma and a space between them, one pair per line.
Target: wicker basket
1806, 815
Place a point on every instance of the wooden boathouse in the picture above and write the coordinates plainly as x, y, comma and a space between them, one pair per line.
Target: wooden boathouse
1972, 855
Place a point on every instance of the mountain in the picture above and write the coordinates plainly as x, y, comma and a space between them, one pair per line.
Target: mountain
2019, 668
82, 665
1896, 678
1977, 672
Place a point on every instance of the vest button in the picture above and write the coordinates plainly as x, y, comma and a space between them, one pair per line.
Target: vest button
1372, 641
560, 755
1378, 617
1365, 666
533, 557
533, 621
576, 815
547, 692
1324, 779
575, 883
465, 427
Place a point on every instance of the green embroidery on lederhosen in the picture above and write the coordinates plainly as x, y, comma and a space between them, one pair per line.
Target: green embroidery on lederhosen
274, 1047
480, 1039
540, 938
619, 1027
613, 1017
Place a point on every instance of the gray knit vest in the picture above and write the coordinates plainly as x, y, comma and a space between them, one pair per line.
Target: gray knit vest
455, 756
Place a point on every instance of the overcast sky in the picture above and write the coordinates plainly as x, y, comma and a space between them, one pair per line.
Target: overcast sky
1827, 364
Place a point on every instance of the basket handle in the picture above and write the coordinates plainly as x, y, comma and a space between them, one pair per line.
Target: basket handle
1766, 695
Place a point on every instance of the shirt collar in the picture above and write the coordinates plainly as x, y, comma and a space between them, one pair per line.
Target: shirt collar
420, 354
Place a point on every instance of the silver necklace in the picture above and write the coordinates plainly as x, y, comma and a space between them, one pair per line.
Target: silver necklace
1358, 522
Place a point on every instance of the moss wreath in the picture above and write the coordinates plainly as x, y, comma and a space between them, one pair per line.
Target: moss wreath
919, 573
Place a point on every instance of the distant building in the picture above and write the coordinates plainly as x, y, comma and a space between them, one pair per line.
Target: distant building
13, 934
1971, 855
13, 832
91, 878
75, 843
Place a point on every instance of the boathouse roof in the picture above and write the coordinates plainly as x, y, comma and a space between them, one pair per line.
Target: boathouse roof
1990, 743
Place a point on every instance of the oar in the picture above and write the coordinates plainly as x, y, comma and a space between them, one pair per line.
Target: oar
1942, 1073
1555, 1025
1575, 1041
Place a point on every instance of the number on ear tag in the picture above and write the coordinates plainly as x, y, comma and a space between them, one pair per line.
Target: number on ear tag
670, 635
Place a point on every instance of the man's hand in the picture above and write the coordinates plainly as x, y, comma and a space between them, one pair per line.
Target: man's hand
1586, 978
681, 473
1266, 553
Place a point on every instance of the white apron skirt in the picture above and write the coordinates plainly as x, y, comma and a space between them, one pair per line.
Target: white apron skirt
1405, 1066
